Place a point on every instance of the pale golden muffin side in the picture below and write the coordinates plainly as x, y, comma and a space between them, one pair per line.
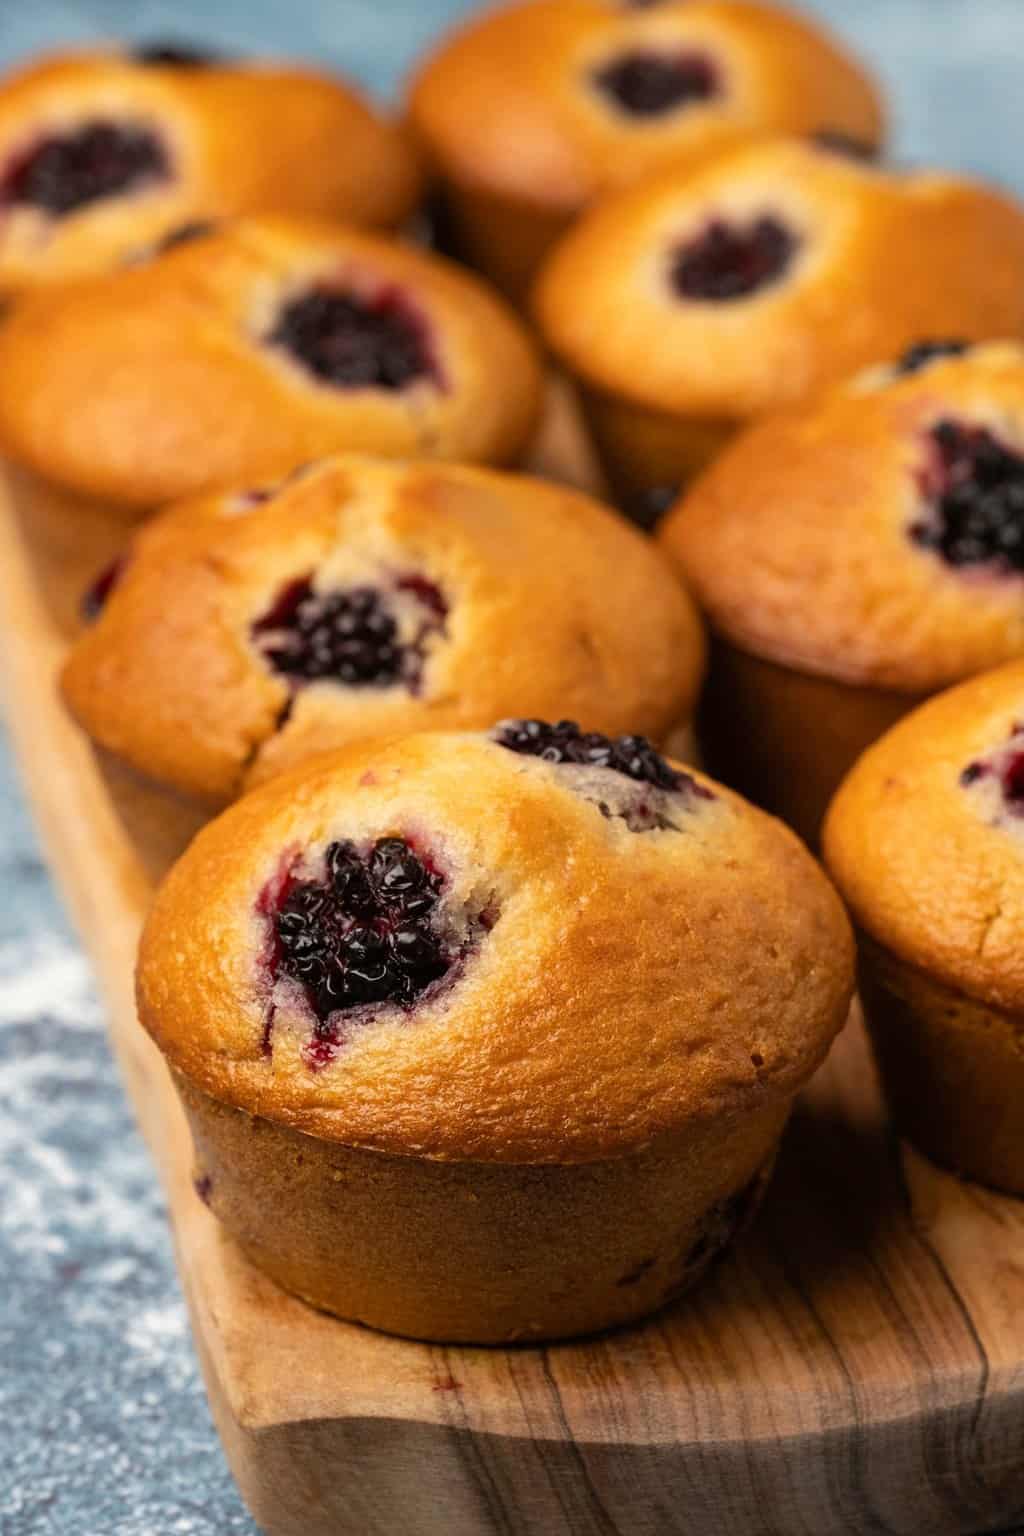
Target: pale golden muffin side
530, 112
697, 300
854, 556
543, 996
254, 347
926, 842
106, 151
360, 598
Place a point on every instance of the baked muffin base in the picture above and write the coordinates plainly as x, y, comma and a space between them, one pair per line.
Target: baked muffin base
786, 739
649, 456
473, 1252
952, 1069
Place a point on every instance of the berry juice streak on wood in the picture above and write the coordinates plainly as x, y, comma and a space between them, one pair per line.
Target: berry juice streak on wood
857, 1366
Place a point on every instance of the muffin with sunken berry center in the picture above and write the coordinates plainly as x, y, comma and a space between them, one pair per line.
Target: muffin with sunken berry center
236, 352
852, 558
697, 301
101, 153
568, 102
245, 631
538, 990
926, 842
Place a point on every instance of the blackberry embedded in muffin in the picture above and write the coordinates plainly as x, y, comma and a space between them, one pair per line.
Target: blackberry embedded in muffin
852, 558
245, 631
450, 983
101, 153
251, 347
531, 112
926, 842
752, 284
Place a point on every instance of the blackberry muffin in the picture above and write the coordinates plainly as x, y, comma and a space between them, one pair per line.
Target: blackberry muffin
696, 301
103, 153
491, 1037
246, 631
245, 350
926, 841
529, 113
852, 558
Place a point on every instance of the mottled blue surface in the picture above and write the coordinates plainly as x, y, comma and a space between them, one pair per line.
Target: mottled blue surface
103, 1424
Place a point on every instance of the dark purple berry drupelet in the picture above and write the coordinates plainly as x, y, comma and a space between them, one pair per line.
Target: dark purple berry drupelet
350, 636
353, 342
924, 352
67, 171
564, 742
973, 485
732, 261
646, 83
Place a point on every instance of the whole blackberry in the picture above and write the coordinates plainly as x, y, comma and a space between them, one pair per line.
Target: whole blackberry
924, 352
98, 160
352, 342
564, 742
974, 488
648, 84
349, 636
364, 933
731, 261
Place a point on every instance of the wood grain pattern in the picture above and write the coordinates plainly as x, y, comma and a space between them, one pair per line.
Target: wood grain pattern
858, 1367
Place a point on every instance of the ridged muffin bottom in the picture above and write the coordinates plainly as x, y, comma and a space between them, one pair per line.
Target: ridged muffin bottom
476, 1252
952, 1069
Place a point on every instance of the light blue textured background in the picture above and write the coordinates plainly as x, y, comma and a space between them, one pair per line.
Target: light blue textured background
103, 1424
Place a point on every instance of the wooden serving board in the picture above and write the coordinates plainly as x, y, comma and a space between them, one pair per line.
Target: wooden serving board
856, 1367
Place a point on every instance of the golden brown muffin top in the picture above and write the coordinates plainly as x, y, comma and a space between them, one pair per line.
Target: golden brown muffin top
256, 346
555, 103
877, 535
777, 269
364, 598
592, 957
926, 838
106, 151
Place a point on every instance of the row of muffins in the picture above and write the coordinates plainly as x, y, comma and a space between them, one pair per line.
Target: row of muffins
683, 308
543, 990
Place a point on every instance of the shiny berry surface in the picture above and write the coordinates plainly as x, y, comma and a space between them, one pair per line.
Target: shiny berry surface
565, 742
732, 261
352, 342
973, 486
350, 636
99, 160
363, 933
